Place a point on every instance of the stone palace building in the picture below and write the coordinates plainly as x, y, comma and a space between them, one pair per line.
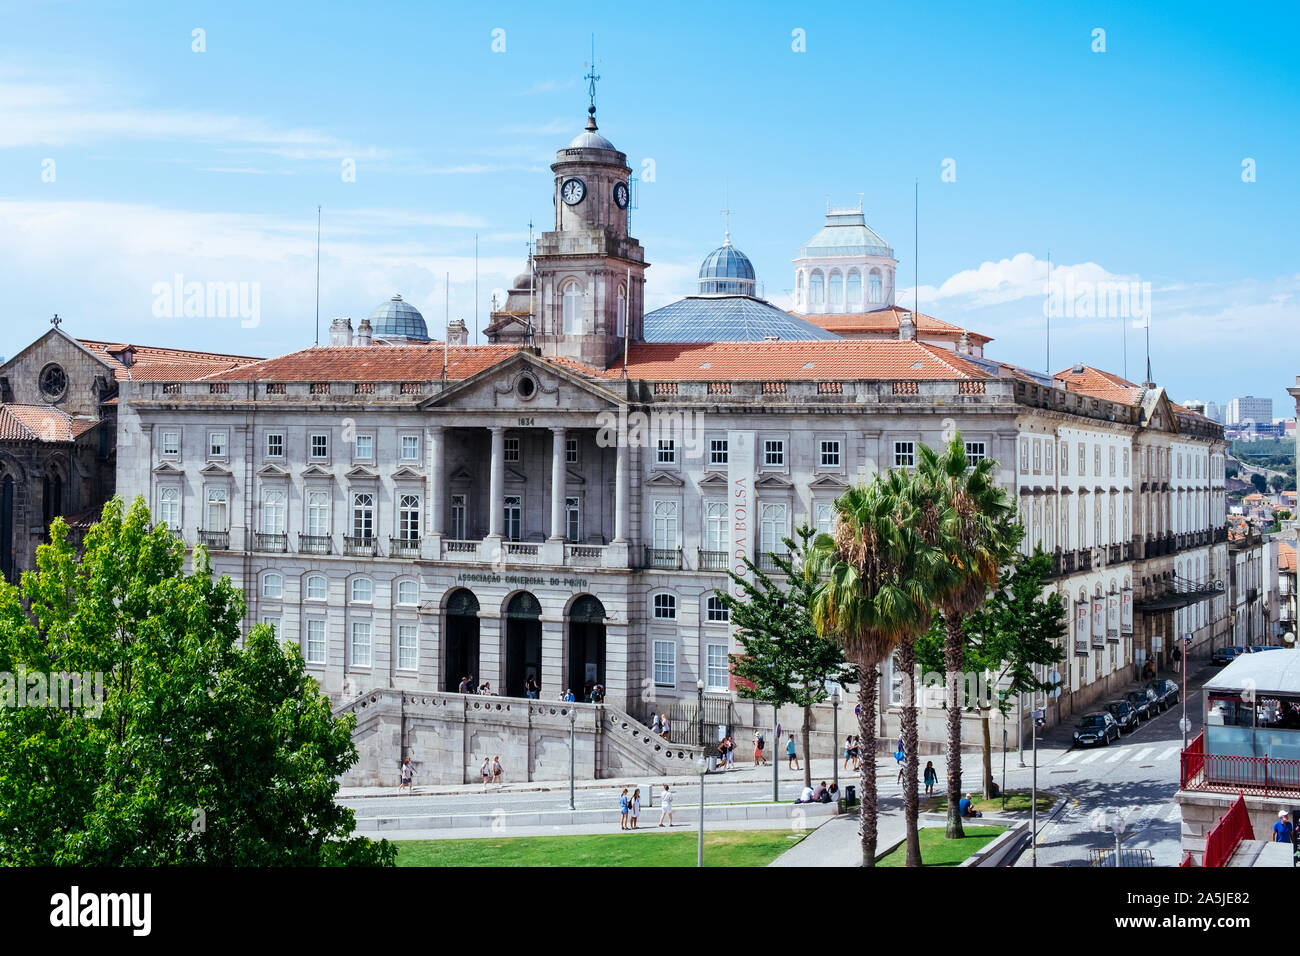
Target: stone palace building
560, 504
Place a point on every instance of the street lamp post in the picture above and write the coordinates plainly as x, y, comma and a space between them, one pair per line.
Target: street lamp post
573, 721
703, 765
835, 736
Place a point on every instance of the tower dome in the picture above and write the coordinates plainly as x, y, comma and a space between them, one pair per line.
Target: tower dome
726, 271
397, 319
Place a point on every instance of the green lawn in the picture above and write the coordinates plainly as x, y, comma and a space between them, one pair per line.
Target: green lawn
937, 850
1017, 802
721, 848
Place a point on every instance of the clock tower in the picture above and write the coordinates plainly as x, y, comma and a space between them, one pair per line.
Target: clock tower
588, 274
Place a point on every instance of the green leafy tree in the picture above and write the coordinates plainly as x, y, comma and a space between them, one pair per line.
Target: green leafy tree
970, 520
1017, 630
1276, 483
785, 660
873, 576
1258, 480
199, 752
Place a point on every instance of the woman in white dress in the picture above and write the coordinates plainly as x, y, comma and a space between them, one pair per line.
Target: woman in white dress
666, 802
636, 806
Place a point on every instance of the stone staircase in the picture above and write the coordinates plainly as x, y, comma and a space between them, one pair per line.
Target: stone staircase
630, 747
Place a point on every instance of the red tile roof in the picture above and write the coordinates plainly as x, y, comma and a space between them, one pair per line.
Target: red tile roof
1098, 384
153, 364
40, 423
373, 363
886, 320
1285, 557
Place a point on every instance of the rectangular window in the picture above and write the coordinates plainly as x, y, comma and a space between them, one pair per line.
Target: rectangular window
410, 448
363, 515
406, 647
1125, 462
665, 525
717, 668
458, 526
1083, 459
717, 451
715, 526
974, 452
408, 517
170, 444
1065, 458
318, 513
512, 449
1024, 456
830, 453
716, 612
275, 445
774, 453
320, 447
1112, 461
364, 449
904, 454
824, 516
218, 510
572, 519
1038, 456
1096, 460
360, 649
571, 451
169, 507
216, 444
315, 649
665, 663
273, 512
1049, 455
773, 528
514, 515
666, 453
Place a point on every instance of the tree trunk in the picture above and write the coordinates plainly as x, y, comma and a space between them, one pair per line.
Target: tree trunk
954, 657
807, 751
907, 664
868, 695
988, 756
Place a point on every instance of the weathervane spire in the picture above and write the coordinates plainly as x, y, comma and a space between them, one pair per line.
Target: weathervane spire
591, 77
56, 321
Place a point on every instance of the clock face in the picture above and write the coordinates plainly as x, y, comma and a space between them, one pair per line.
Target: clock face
620, 195
572, 191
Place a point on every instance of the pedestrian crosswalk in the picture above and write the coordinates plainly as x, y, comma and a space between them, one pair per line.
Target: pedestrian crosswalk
1111, 755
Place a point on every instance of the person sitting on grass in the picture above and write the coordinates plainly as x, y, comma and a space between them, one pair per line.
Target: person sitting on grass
967, 807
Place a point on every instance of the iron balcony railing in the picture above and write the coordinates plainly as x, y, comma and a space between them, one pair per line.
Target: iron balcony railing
217, 540
361, 547
1069, 560
1230, 773
263, 541
767, 561
315, 543
712, 560
404, 547
667, 559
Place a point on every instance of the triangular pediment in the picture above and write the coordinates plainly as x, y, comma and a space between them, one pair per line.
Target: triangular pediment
661, 479
316, 471
407, 473
460, 474
714, 479
525, 384
513, 474
212, 469
362, 473
272, 471
167, 468
772, 481
827, 483
574, 478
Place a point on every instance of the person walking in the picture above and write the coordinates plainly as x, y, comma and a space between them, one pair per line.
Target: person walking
758, 747
408, 773
624, 808
931, 778
485, 772
900, 755
665, 726
1177, 656
497, 770
666, 803
532, 688
1282, 829
636, 806
857, 752
656, 727
791, 755
848, 751
731, 752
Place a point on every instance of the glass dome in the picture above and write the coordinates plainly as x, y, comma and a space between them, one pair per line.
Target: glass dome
396, 319
726, 271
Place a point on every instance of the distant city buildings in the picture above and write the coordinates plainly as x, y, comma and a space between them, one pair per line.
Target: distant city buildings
1248, 409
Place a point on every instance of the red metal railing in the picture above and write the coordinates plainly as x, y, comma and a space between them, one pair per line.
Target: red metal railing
1187, 860
1233, 827
1193, 762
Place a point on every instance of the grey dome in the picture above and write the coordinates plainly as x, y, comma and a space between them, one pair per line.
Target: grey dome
589, 138
726, 271
396, 319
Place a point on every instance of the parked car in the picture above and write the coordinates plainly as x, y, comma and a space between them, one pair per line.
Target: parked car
1144, 702
1256, 648
1096, 729
1224, 655
1167, 691
1124, 714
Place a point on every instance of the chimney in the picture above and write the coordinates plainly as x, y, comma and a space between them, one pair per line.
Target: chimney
906, 328
364, 335
963, 343
457, 333
341, 332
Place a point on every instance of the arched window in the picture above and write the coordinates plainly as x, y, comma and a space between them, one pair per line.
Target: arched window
835, 288
853, 296
408, 592
816, 288
317, 587
217, 515
622, 311
572, 305
665, 607
169, 508
798, 289
363, 590
875, 291
273, 585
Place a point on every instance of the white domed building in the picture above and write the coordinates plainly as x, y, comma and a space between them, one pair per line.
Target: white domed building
846, 267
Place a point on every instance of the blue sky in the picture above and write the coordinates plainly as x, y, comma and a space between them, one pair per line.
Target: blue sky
1125, 164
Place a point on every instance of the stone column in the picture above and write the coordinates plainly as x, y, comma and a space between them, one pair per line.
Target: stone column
496, 516
554, 658
437, 480
620, 491
558, 483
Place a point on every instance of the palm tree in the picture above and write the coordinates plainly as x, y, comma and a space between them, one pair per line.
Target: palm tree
873, 594
975, 529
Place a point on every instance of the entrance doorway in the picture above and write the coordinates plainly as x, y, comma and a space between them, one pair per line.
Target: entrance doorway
586, 646
462, 640
523, 644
